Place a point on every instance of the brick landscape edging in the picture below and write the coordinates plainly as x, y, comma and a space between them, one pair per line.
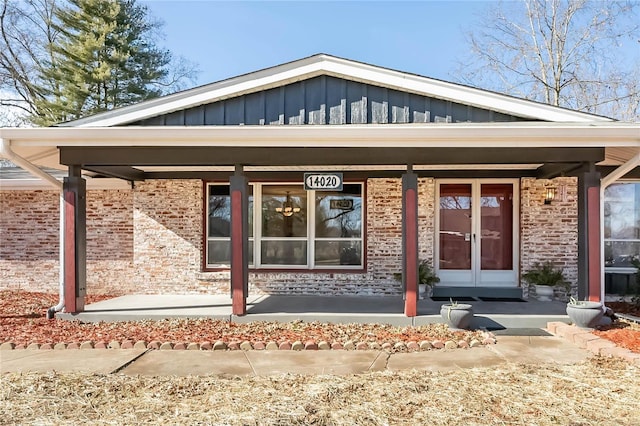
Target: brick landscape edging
310, 345
584, 339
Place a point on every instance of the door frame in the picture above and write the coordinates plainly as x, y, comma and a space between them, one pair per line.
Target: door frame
506, 279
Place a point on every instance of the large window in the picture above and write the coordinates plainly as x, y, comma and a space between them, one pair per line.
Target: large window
621, 224
218, 245
292, 228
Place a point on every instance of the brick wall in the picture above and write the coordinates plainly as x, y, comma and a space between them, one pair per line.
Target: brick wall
167, 232
383, 244
149, 240
426, 218
29, 240
549, 231
383, 256
29, 229
110, 241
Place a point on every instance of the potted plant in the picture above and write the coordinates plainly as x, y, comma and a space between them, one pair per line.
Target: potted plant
458, 316
585, 314
544, 277
427, 278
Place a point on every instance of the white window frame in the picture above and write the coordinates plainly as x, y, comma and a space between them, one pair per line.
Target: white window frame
620, 269
310, 239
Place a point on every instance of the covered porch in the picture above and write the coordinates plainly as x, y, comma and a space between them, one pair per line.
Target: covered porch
246, 153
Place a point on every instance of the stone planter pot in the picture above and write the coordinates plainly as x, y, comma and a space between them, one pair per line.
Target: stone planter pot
457, 316
544, 293
585, 314
425, 291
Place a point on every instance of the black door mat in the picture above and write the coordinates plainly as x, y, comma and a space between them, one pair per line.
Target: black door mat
455, 299
520, 332
501, 299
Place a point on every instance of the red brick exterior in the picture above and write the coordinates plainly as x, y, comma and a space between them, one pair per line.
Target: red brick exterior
150, 240
549, 231
29, 229
29, 232
168, 236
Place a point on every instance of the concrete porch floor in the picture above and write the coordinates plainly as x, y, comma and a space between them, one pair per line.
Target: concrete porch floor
492, 315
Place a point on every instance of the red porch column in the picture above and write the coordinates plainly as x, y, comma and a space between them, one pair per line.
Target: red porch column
410, 242
589, 237
239, 243
594, 241
75, 240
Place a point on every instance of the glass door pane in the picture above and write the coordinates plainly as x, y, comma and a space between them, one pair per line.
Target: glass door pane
496, 227
455, 226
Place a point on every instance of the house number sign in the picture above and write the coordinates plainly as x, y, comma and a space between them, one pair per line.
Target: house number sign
323, 181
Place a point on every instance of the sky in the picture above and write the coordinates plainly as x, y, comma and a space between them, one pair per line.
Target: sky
231, 38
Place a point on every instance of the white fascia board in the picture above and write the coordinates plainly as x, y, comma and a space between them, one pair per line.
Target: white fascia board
324, 64
237, 86
427, 135
458, 93
40, 184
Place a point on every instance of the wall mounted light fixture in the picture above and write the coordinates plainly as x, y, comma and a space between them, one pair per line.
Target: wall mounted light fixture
549, 194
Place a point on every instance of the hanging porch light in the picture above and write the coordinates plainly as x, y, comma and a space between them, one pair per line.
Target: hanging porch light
287, 209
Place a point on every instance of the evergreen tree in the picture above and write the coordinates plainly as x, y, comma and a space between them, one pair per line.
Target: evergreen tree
105, 58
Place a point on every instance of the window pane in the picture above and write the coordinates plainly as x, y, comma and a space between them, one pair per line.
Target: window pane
622, 211
284, 211
496, 221
339, 214
620, 253
455, 226
219, 252
621, 224
284, 252
338, 253
220, 211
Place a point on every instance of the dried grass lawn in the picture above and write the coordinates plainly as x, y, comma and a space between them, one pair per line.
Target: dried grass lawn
597, 392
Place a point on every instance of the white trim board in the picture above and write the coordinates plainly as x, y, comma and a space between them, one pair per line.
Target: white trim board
412, 135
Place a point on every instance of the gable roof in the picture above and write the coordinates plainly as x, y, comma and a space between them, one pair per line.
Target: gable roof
322, 64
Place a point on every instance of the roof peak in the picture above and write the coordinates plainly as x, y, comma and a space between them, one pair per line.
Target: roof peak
327, 64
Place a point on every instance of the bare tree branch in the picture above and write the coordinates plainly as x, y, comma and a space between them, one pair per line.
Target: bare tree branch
578, 54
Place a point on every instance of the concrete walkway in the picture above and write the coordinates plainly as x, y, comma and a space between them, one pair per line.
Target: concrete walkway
509, 349
489, 314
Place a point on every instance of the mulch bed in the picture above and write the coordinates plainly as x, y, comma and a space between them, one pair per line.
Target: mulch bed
23, 321
623, 333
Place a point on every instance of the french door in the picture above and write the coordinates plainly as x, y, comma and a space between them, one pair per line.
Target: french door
477, 232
